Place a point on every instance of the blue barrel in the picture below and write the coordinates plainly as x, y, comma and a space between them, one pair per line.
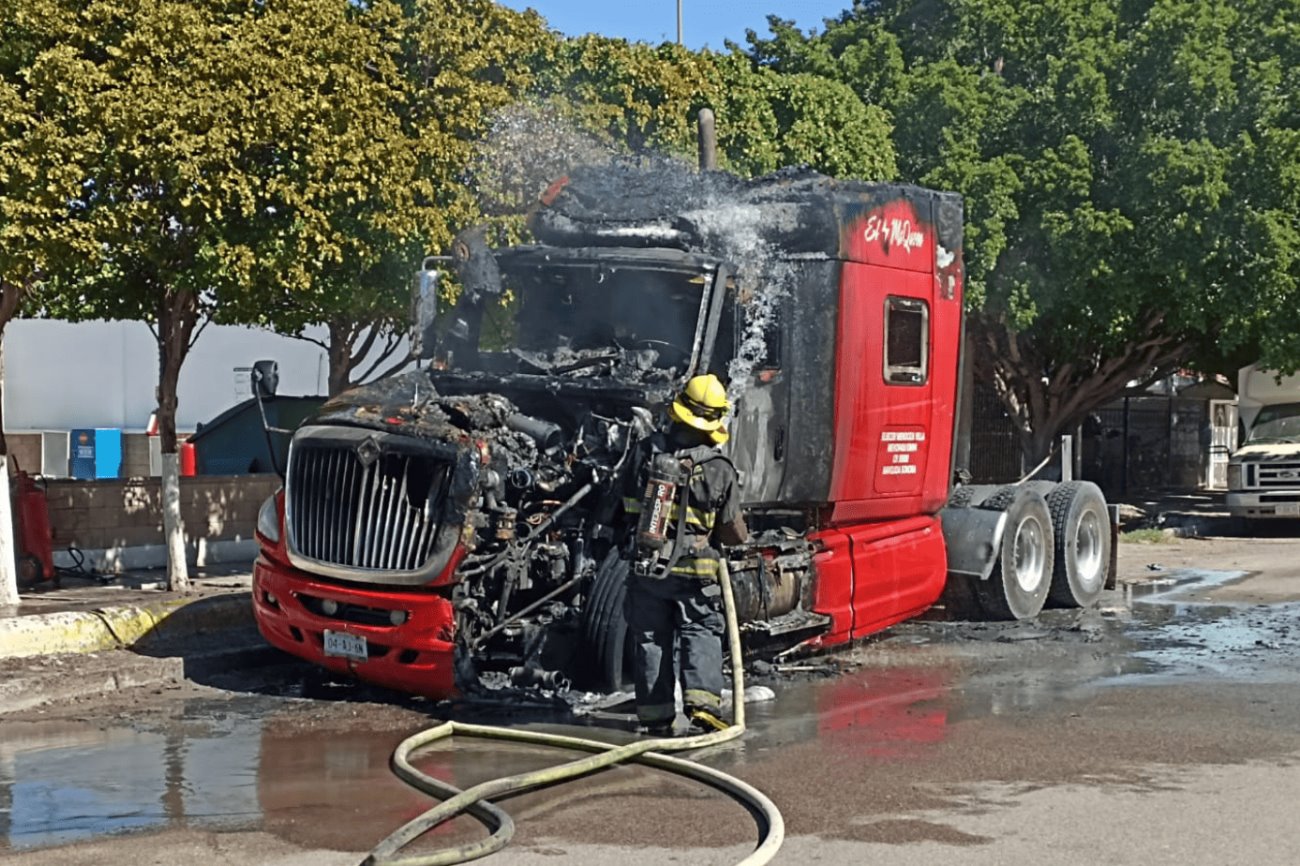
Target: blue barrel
108, 452
81, 454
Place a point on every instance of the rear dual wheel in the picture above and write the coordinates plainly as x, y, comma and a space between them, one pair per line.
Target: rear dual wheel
1082, 526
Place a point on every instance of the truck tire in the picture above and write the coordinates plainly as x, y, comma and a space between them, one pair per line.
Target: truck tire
1081, 525
1000, 498
607, 644
969, 495
1021, 578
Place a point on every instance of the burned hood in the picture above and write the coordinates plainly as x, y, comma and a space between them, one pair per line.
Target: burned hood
526, 388
408, 403
460, 408
470, 430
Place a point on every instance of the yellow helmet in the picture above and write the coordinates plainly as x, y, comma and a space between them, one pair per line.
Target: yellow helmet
702, 404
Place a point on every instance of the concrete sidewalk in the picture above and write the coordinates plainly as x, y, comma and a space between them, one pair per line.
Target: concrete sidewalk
87, 637
85, 615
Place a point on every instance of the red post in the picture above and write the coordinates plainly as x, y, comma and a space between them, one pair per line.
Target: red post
189, 460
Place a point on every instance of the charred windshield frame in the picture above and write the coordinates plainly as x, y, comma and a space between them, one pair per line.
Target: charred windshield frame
467, 345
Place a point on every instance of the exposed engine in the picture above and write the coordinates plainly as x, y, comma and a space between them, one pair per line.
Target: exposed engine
392, 474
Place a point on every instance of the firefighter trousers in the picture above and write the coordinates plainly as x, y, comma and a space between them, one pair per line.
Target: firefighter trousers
676, 622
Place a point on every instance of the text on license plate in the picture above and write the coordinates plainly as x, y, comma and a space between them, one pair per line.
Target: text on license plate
1289, 508
350, 646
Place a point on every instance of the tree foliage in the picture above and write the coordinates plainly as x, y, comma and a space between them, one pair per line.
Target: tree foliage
456, 63
250, 152
1129, 170
244, 153
640, 98
43, 159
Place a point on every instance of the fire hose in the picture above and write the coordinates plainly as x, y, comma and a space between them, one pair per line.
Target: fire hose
476, 800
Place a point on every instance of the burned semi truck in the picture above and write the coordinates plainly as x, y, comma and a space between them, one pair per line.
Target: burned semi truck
458, 525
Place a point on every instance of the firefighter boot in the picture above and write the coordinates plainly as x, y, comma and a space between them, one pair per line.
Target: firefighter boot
704, 722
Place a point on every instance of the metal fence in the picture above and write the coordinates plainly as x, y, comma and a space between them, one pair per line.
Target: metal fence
1147, 444
995, 454
1136, 444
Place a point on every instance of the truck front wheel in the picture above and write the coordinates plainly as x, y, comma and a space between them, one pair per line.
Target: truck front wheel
1082, 527
1022, 575
607, 643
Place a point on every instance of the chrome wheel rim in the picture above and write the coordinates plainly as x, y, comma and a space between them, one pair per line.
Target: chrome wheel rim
1088, 547
1029, 554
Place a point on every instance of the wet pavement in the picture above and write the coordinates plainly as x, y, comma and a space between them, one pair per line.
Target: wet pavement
941, 741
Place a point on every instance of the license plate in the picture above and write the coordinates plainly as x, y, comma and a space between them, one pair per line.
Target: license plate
349, 646
1290, 509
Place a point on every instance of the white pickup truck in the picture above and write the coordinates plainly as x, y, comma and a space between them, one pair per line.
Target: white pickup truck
1264, 472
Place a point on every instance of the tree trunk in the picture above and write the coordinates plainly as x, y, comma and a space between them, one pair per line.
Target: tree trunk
1036, 446
8, 559
11, 297
341, 338
178, 313
1045, 396
364, 347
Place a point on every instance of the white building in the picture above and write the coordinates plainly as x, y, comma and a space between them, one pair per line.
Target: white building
64, 376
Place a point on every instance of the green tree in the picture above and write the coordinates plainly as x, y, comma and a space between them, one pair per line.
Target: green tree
247, 149
449, 66
1129, 174
42, 159
640, 98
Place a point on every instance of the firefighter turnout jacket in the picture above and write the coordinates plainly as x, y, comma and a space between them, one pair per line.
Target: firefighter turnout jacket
698, 512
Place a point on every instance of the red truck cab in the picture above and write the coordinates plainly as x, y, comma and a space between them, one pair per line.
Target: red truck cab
450, 528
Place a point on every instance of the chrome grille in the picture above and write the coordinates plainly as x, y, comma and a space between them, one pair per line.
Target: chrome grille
375, 510
1278, 475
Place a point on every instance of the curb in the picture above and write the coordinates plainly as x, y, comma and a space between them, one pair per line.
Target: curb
122, 626
60, 679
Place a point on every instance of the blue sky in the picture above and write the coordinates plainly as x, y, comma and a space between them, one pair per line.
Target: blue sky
704, 22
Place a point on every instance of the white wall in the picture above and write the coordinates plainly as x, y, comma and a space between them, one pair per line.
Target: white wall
62, 376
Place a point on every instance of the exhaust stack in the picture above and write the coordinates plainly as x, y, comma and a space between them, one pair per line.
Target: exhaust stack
708, 140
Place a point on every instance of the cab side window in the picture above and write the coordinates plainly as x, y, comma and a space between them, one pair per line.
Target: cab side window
907, 341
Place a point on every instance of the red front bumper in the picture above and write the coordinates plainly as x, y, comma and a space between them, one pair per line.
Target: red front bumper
417, 656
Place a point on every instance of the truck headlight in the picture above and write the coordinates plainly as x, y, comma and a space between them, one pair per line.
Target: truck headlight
268, 521
1235, 474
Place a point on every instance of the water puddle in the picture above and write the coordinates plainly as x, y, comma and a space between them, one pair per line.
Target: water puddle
1182, 585
312, 773
1186, 630
316, 772
66, 782
240, 764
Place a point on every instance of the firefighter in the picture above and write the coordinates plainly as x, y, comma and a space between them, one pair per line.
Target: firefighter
686, 501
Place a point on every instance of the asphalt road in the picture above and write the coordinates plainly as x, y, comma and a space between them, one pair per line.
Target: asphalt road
1162, 728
